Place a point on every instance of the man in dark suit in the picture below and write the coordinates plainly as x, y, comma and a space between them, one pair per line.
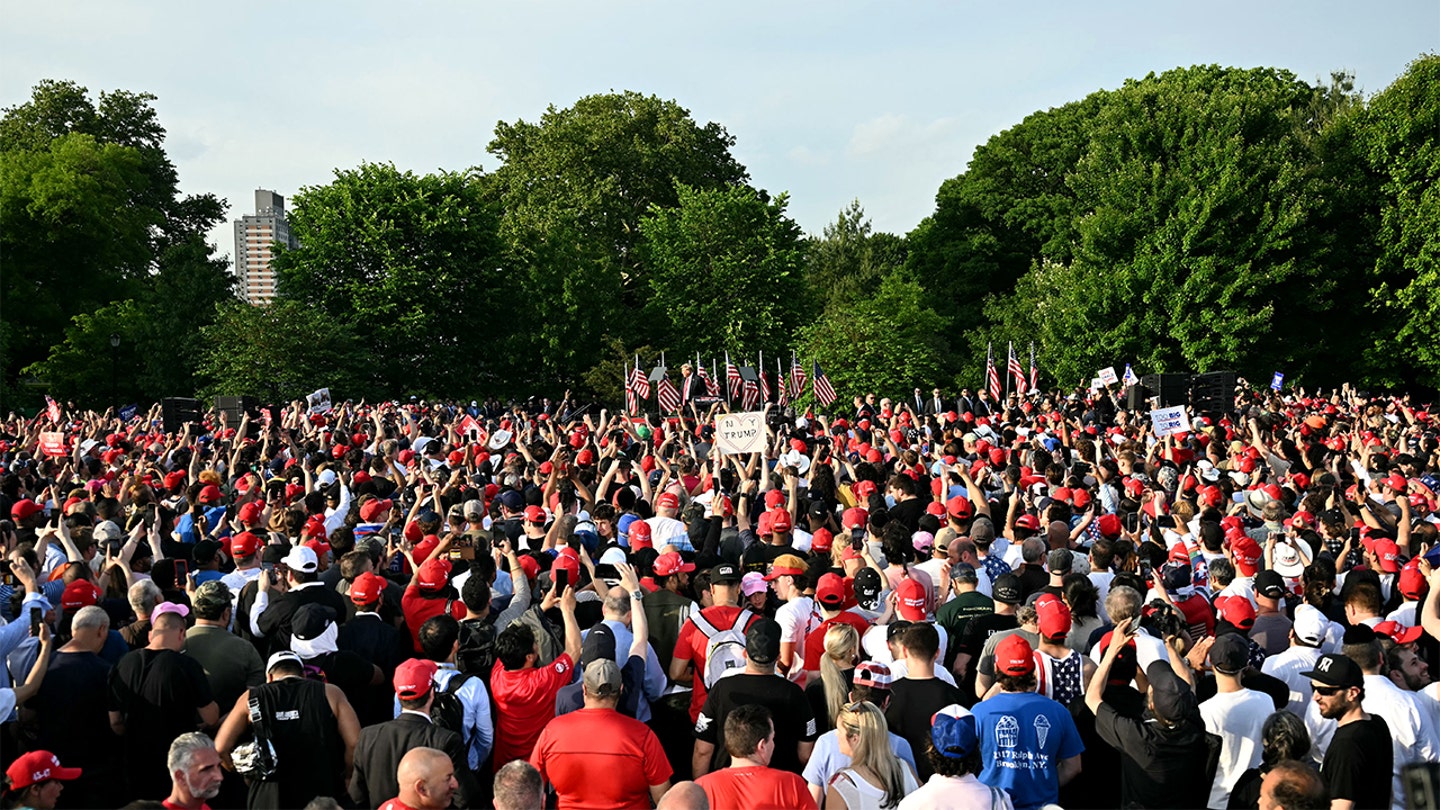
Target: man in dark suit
690, 385
917, 402
935, 405
380, 748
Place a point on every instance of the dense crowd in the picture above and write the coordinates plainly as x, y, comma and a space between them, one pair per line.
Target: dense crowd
937, 602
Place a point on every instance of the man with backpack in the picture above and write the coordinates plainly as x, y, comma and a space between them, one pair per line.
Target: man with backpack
381, 747
461, 699
712, 642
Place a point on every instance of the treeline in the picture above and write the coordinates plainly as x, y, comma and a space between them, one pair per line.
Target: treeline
1200, 219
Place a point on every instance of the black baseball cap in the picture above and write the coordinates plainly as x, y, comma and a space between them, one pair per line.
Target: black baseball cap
725, 574
1336, 670
762, 641
867, 588
1229, 653
1270, 585
1006, 589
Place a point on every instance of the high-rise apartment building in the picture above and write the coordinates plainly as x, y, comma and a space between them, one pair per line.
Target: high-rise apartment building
255, 236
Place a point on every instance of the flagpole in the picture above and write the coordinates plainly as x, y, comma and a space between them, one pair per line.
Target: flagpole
729, 400
760, 370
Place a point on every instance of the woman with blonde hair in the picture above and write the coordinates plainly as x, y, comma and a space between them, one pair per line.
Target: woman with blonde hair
876, 778
837, 667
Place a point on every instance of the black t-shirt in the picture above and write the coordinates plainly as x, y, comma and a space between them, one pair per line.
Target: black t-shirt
1159, 767
1096, 788
1360, 763
815, 693
913, 701
908, 513
1033, 578
73, 710
159, 692
793, 720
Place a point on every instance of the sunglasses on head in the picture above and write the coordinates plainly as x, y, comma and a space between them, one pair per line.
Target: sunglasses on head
1329, 691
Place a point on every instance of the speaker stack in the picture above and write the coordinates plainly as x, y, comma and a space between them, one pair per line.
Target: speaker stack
1172, 389
176, 411
1213, 393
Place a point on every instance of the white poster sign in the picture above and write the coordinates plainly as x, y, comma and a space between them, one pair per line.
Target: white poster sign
319, 402
1169, 420
1108, 375
737, 433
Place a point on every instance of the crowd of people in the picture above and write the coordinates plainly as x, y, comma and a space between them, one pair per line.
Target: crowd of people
949, 602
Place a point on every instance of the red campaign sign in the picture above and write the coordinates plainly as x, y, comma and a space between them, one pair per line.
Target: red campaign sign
52, 443
470, 426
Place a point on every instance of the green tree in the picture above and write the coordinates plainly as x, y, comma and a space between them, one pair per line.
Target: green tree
884, 343
725, 272
847, 261
573, 189
281, 351
89, 212
1399, 136
411, 262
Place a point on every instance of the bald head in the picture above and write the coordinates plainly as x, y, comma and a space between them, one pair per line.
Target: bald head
1058, 535
427, 779
684, 796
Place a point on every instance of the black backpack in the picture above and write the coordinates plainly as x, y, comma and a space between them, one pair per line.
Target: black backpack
476, 655
447, 711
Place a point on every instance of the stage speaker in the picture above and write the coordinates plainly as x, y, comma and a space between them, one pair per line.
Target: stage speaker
235, 409
1214, 392
1137, 398
1172, 389
176, 411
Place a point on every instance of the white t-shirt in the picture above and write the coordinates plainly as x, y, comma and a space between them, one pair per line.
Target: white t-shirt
1237, 717
796, 619
955, 793
665, 530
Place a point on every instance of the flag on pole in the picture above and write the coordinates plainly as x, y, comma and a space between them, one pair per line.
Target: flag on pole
752, 395
733, 380
992, 377
764, 383
667, 395
639, 383
632, 404
782, 385
1016, 372
797, 378
824, 391
1034, 372
712, 388
1129, 377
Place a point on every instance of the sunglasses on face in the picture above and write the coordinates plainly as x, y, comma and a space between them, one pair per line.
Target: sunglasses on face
1329, 691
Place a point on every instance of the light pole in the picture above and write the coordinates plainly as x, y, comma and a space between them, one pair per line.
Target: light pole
114, 362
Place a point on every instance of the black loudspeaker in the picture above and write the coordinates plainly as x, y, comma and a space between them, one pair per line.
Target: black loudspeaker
1137, 398
176, 411
1213, 392
1172, 389
235, 409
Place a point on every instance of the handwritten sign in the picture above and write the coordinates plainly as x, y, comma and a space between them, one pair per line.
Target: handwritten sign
737, 433
319, 402
52, 443
1108, 375
1166, 421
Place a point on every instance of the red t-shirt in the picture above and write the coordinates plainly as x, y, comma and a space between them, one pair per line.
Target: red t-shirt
692, 644
756, 788
524, 705
395, 804
588, 775
815, 639
418, 608
169, 805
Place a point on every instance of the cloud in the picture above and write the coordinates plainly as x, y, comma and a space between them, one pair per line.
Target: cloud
892, 133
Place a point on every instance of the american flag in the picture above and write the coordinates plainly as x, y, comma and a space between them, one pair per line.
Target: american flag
668, 396
732, 378
752, 395
797, 378
782, 383
712, 388
992, 378
1034, 372
1016, 371
639, 383
764, 383
824, 391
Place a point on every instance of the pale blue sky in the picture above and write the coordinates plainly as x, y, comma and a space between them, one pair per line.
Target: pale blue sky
829, 101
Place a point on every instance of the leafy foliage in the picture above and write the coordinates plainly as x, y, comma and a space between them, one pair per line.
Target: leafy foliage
281, 351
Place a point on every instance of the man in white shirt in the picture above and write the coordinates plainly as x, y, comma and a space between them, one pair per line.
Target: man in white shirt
245, 550
664, 528
1236, 714
1307, 634
797, 617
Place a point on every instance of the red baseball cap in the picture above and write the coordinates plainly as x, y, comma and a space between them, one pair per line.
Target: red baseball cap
864, 489
667, 500
209, 494
372, 510
780, 521
1028, 522
1014, 656
959, 507
434, 575
1109, 526
244, 544
78, 594
935, 508
671, 562
822, 540
1389, 555
367, 588
530, 566
830, 590
250, 512
1053, 616
1411, 582
414, 678
639, 534
774, 498
571, 565
1236, 610
1247, 554
855, 518
534, 514
36, 767
1398, 632
25, 508
320, 547
911, 600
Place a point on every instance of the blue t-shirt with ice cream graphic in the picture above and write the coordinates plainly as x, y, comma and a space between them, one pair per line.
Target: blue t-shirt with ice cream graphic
1023, 738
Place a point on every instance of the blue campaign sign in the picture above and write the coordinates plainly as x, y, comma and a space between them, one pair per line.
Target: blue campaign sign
1277, 381
128, 412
